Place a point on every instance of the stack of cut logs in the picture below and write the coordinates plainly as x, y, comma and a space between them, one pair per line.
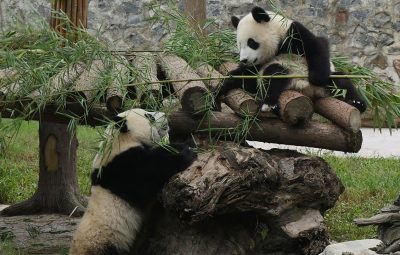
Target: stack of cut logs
342, 134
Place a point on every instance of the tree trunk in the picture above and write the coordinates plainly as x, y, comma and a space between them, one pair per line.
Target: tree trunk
58, 190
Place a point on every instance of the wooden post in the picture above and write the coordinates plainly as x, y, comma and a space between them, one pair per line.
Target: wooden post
196, 9
58, 190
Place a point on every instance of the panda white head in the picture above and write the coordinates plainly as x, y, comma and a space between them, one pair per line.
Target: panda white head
259, 35
132, 128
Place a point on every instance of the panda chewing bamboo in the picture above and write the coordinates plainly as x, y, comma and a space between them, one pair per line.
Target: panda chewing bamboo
270, 44
126, 178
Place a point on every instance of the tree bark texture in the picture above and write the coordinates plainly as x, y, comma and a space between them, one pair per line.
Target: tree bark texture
295, 108
192, 94
271, 130
58, 190
339, 112
245, 201
149, 95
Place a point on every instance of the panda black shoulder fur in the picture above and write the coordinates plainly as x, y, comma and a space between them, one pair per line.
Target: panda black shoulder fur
264, 36
125, 180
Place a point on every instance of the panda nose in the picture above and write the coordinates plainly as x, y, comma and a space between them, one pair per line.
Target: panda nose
243, 61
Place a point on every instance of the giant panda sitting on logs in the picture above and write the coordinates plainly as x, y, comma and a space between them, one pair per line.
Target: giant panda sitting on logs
270, 44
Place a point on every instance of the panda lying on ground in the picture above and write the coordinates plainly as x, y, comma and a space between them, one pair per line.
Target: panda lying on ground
125, 179
267, 43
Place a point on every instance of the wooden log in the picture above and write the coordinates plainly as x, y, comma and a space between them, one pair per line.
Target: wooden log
85, 84
206, 71
339, 112
295, 108
117, 89
149, 94
192, 94
313, 134
238, 100
226, 67
241, 102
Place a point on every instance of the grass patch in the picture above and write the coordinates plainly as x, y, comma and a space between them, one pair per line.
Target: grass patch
370, 183
19, 164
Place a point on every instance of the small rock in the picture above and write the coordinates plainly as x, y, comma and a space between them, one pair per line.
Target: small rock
358, 247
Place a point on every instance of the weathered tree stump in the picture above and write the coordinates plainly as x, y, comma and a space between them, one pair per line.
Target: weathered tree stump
244, 201
57, 189
388, 222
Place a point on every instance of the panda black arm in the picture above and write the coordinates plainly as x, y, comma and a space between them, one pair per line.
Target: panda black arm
300, 40
351, 95
249, 85
165, 162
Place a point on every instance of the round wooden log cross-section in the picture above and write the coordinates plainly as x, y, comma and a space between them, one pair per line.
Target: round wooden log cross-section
241, 102
339, 112
295, 108
191, 92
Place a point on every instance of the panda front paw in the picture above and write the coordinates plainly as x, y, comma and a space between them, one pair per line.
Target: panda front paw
188, 154
275, 109
360, 105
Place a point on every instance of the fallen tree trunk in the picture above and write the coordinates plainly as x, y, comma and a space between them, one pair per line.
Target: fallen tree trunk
191, 93
236, 200
339, 112
313, 134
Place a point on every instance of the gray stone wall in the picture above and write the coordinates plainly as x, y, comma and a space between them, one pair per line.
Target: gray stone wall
367, 31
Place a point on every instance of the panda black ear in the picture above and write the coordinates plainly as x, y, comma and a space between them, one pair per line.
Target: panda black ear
120, 124
260, 15
235, 21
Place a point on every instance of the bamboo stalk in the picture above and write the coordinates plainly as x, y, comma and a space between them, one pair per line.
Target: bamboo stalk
85, 13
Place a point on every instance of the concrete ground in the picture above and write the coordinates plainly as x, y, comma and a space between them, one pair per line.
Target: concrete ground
375, 144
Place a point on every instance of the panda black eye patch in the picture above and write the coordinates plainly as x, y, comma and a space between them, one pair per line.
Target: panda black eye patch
252, 44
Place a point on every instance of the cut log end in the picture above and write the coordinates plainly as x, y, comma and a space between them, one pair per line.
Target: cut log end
295, 108
340, 113
240, 102
194, 100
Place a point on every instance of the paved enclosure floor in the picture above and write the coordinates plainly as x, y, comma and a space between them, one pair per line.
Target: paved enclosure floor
375, 144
